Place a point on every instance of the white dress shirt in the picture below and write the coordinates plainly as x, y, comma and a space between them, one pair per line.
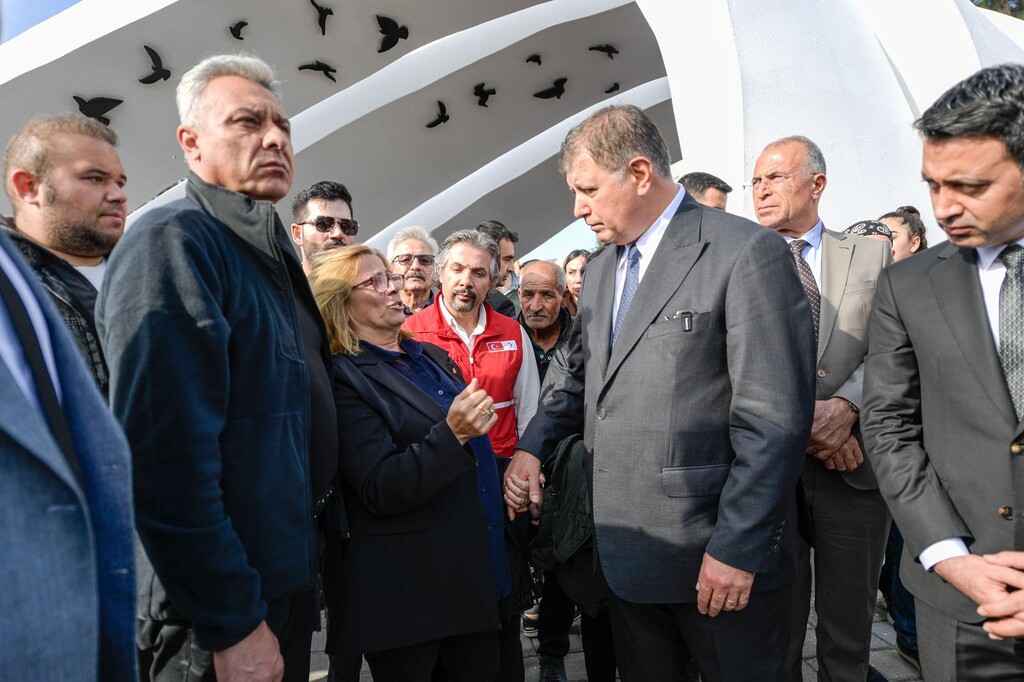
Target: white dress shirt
812, 252
991, 273
11, 351
647, 244
526, 390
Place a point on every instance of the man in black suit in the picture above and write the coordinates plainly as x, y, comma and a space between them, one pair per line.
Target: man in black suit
944, 386
690, 375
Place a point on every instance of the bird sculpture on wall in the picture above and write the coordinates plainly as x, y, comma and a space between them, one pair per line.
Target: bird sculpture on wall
482, 93
442, 115
322, 14
326, 69
556, 90
607, 49
236, 29
613, 88
392, 33
159, 72
534, 59
97, 107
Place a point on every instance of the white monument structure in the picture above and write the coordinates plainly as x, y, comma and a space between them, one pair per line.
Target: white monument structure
721, 77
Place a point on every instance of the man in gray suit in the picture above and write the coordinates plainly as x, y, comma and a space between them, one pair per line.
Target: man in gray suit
848, 519
689, 372
944, 387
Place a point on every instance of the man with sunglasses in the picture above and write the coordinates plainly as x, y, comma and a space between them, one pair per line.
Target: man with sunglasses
322, 215
411, 252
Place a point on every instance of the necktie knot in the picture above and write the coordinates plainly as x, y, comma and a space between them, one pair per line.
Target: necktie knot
633, 255
1012, 257
797, 247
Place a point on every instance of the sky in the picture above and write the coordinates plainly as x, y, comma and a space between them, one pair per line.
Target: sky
18, 15
576, 236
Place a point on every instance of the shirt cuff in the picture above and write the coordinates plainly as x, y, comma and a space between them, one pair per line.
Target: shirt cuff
940, 551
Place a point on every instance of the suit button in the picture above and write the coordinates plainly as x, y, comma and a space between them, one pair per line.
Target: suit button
821, 373
1017, 448
601, 414
1006, 512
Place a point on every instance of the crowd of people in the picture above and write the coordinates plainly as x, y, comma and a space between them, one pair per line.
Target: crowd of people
215, 428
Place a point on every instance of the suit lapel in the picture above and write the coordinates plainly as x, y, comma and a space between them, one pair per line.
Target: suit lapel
396, 384
836, 255
958, 292
679, 249
597, 300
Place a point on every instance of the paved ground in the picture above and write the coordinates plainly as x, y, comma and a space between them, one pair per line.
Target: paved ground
883, 655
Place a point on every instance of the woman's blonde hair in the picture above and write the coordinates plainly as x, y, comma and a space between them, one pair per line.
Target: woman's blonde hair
334, 273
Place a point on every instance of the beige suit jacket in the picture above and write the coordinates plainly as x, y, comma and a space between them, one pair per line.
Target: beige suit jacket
850, 268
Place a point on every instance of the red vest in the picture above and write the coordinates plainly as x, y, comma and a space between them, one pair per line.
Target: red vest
497, 357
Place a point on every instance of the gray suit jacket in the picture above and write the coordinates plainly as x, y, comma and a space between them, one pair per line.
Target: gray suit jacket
67, 577
850, 267
939, 424
696, 422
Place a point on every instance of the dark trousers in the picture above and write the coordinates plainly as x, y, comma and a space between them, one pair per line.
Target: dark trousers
598, 646
655, 641
953, 651
557, 613
555, 619
471, 657
849, 528
899, 599
168, 652
512, 668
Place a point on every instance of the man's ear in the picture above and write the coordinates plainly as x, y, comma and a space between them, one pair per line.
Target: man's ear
641, 170
818, 184
28, 187
297, 234
188, 140
565, 298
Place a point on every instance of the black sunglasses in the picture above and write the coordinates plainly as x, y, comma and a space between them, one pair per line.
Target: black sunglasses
325, 223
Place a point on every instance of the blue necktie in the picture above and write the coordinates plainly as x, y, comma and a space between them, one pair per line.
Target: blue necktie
628, 289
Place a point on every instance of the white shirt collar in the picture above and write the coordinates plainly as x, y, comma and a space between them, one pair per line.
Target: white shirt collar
812, 236
988, 255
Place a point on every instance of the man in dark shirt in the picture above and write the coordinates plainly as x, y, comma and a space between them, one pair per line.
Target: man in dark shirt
64, 179
543, 295
220, 375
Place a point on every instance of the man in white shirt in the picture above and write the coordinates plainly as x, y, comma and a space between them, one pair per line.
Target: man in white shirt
848, 519
944, 387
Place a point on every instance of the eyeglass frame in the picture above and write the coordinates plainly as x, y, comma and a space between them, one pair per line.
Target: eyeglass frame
417, 256
391, 278
340, 222
769, 181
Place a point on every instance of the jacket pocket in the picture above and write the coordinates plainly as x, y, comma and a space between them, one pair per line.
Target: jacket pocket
694, 481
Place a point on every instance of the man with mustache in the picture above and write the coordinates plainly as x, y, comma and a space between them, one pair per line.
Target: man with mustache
543, 295
220, 375
411, 252
322, 220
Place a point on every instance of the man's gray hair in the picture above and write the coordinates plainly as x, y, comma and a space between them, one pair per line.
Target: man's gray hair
412, 232
556, 270
189, 95
814, 160
614, 136
477, 240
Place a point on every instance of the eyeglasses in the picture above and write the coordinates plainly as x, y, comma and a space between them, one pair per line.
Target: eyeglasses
769, 180
405, 260
325, 223
382, 282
